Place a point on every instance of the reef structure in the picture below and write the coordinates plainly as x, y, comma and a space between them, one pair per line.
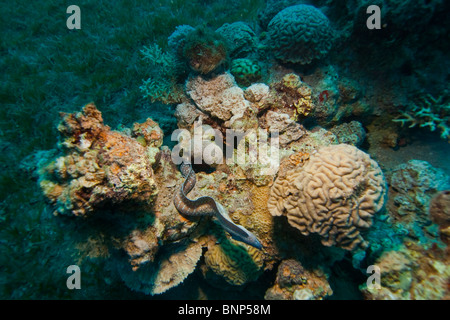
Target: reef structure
100, 166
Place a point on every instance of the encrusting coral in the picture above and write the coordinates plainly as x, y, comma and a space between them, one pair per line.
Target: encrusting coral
292, 96
440, 214
335, 194
413, 185
149, 134
99, 166
170, 270
294, 282
411, 273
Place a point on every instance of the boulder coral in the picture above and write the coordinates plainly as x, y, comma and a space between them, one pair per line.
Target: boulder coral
300, 34
177, 39
350, 133
99, 166
335, 194
240, 38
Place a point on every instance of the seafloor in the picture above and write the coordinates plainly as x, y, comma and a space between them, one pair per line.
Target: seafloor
358, 208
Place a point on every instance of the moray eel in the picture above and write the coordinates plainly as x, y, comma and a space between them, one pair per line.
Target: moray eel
207, 206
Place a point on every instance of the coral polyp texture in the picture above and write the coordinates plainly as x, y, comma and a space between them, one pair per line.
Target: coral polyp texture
245, 71
170, 271
99, 166
220, 97
300, 34
335, 195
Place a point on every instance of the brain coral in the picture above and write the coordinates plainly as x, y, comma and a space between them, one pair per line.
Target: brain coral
300, 34
241, 39
245, 71
335, 194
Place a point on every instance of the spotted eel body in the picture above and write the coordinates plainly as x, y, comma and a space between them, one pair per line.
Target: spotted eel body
207, 206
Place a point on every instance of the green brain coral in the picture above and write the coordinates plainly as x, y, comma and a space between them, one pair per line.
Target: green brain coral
300, 34
245, 71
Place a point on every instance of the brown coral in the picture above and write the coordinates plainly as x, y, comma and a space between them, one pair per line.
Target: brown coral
292, 97
141, 247
334, 195
412, 273
440, 214
294, 282
99, 166
204, 50
150, 133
